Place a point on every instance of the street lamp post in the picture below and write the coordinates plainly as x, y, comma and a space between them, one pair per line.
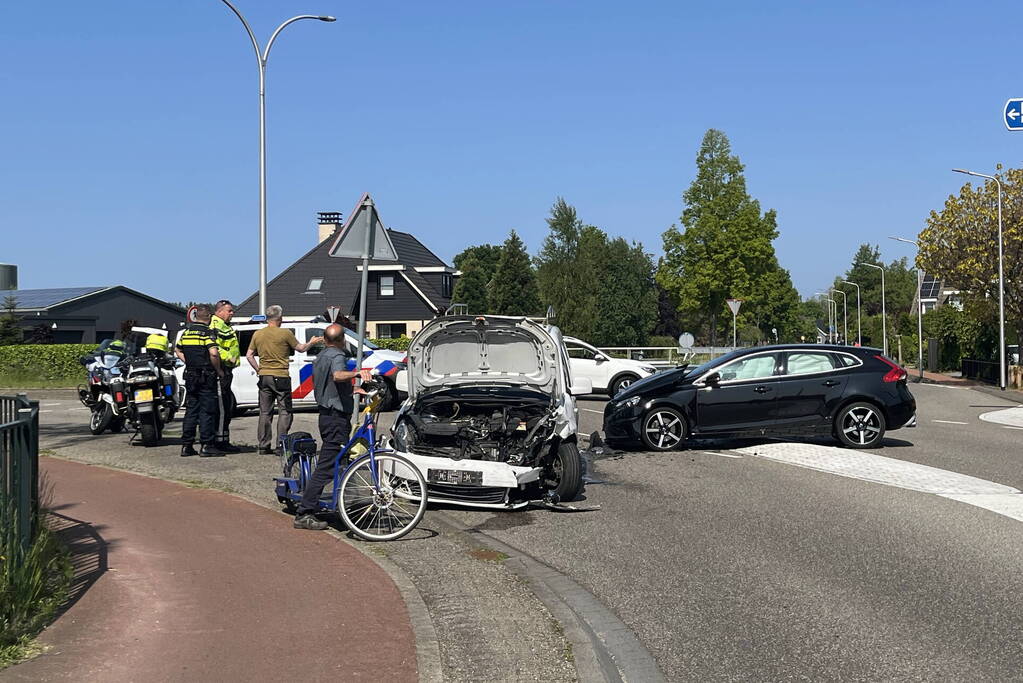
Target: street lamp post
884, 316
824, 299
919, 308
1001, 279
859, 329
845, 315
261, 57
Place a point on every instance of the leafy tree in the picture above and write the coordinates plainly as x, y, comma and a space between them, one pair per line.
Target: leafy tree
899, 295
667, 323
41, 334
960, 243
567, 269
512, 290
725, 248
477, 265
10, 331
626, 296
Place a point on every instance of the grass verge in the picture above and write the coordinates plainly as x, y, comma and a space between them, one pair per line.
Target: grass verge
25, 380
30, 593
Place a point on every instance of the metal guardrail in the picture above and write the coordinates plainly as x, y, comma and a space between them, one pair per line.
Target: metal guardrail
665, 356
981, 370
19, 473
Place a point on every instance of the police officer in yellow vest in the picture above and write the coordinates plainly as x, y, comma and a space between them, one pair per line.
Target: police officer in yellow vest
230, 357
198, 349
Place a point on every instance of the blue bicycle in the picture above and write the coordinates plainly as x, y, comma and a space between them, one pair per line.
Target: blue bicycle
379, 495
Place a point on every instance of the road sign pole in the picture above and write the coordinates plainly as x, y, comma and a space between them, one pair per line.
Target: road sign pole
363, 294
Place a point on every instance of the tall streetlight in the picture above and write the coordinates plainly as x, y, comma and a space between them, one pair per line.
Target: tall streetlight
261, 57
845, 315
859, 329
824, 300
884, 316
919, 308
1001, 279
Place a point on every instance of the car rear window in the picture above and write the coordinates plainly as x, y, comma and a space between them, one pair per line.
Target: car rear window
809, 362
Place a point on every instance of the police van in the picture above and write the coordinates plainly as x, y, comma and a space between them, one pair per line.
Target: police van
245, 384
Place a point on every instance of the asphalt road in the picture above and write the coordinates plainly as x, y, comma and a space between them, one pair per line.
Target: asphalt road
726, 561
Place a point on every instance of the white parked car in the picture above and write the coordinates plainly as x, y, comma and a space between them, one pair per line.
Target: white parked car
490, 417
606, 374
246, 390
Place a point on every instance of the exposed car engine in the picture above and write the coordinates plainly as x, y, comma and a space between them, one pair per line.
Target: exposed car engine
478, 426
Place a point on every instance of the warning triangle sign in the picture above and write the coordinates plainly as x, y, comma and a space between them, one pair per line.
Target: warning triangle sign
351, 239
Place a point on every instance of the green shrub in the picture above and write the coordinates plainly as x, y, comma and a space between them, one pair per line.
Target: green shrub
399, 344
659, 340
31, 591
42, 364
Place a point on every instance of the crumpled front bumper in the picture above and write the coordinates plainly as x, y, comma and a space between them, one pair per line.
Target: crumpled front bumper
498, 479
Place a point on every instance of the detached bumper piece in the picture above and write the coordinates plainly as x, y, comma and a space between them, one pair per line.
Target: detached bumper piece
476, 483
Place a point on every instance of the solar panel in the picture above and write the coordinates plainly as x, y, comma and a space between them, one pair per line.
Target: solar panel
930, 288
45, 298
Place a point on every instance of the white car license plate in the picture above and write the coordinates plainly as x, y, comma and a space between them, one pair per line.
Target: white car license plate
456, 477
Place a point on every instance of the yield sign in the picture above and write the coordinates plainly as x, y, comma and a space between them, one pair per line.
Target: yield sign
733, 305
332, 312
352, 239
1013, 114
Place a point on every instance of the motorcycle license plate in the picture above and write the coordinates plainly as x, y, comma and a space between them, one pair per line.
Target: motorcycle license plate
456, 477
144, 395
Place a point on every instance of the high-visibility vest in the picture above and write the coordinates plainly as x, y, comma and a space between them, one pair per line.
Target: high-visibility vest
227, 341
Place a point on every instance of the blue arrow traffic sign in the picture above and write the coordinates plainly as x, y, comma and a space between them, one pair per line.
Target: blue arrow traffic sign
1014, 114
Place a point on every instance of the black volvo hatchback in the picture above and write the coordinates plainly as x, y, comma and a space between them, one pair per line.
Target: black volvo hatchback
855, 394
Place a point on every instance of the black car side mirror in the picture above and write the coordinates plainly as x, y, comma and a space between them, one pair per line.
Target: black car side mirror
712, 379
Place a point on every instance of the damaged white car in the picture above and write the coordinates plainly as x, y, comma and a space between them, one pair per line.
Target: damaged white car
490, 417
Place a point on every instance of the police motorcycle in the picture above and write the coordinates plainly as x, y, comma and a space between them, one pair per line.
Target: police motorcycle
102, 365
140, 390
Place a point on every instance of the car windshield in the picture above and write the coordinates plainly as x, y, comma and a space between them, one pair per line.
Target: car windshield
712, 363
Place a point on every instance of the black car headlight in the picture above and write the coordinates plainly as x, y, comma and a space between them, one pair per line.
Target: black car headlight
629, 402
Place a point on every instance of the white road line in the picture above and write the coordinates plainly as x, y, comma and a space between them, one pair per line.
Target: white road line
1012, 417
950, 422
1008, 427
723, 455
591, 410
45, 411
998, 498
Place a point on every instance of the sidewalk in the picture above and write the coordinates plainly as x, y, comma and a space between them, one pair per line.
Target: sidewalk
939, 378
182, 584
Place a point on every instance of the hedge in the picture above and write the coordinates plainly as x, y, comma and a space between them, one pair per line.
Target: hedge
44, 361
399, 344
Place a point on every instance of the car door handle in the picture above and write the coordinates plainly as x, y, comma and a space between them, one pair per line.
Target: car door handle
762, 390
832, 383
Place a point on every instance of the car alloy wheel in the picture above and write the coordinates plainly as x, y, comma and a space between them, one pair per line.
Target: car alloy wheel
663, 429
621, 384
860, 425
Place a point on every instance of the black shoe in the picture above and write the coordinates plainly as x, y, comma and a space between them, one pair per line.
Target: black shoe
228, 447
266, 451
310, 522
210, 451
187, 450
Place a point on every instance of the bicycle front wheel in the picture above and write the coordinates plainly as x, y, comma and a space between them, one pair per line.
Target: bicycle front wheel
388, 509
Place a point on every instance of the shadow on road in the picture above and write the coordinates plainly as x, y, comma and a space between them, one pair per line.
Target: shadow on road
89, 552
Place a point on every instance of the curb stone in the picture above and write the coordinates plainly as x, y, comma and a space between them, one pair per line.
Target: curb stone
428, 661
603, 647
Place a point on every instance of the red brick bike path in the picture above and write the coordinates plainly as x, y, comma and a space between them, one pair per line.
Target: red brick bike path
192, 585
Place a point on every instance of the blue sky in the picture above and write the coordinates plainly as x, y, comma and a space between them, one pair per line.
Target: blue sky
130, 128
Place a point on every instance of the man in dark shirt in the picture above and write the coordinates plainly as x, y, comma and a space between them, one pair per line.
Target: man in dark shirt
332, 386
197, 347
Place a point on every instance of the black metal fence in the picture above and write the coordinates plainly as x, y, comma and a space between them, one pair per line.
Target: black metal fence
980, 370
19, 473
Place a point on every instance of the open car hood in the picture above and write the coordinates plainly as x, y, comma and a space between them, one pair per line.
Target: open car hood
463, 350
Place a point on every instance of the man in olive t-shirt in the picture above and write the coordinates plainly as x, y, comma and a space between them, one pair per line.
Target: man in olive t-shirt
274, 345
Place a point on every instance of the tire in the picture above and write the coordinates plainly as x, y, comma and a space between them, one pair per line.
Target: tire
100, 418
149, 429
620, 383
117, 425
388, 395
565, 475
400, 500
860, 425
663, 429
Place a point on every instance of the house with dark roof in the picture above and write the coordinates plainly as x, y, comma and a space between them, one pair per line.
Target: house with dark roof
86, 315
404, 294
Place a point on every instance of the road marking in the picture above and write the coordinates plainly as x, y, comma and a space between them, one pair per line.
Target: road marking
1012, 417
591, 410
45, 411
950, 422
723, 455
998, 498
1008, 427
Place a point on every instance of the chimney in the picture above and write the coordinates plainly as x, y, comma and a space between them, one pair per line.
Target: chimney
329, 222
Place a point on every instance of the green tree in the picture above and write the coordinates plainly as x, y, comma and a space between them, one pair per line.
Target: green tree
725, 247
960, 243
899, 294
10, 331
626, 296
477, 265
512, 290
567, 269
